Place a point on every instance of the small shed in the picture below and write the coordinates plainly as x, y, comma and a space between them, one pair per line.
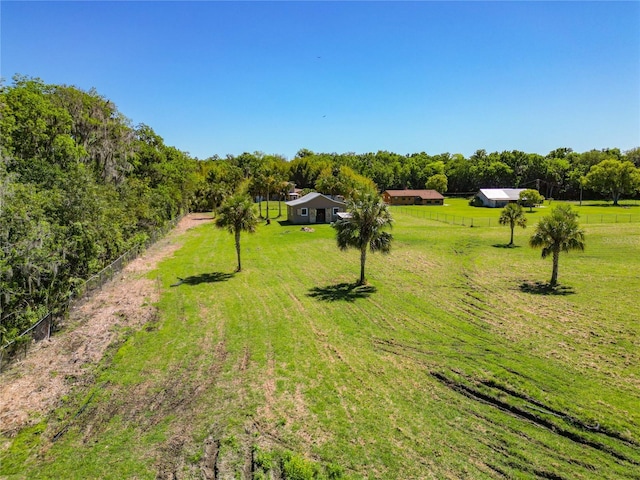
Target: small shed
412, 197
314, 208
498, 197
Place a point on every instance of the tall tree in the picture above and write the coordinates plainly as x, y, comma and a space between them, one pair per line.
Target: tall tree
78, 187
364, 228
236, 215
437, 182
558, 232
530, 198
613, 177
513, 215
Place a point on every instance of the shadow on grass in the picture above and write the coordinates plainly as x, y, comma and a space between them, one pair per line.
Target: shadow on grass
505, 245
346, 292
213, 277
540, 288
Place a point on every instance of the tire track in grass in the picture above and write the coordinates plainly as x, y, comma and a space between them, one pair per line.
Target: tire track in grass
494, 394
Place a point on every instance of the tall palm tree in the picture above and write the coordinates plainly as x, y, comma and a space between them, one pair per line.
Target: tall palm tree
284, 187
236, 214
363, 228
558, 232
270, 183
513, 215
256, 189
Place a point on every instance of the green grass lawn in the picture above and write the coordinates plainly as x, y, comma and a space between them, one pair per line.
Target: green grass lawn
458, 211
454, 362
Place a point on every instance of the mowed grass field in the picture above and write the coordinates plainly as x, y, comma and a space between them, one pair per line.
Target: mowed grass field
458, 211
454, 362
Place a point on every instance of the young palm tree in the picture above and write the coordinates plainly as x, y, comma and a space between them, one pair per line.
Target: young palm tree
236, 214
513, 215
363, 229
558, 232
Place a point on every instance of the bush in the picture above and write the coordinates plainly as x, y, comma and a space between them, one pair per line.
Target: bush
294, 467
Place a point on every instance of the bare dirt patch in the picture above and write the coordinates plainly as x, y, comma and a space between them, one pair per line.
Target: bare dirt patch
33, 386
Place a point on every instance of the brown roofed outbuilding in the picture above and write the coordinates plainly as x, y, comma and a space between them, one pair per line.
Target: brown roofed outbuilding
412, 197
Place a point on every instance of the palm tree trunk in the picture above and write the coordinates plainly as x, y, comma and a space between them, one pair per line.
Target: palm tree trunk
363, 259
512, 227
267, 203
239, 269
554, 274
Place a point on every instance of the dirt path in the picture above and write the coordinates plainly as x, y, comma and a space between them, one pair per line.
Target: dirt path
32, 387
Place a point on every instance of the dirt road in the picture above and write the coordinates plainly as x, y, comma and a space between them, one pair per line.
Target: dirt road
32, 387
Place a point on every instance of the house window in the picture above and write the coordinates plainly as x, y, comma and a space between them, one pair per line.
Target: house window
304, 212
336, 210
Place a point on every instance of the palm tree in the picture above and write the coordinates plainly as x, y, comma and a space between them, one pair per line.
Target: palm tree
283, 189
256, 188
558, 232
513, 215
269, 184
363, 228
236, 214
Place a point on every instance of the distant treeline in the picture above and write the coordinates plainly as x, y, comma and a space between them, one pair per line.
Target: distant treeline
80, 185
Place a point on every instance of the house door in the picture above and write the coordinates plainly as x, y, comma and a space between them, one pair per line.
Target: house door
321, 215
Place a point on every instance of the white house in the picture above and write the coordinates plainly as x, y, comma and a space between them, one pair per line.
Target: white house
498, 197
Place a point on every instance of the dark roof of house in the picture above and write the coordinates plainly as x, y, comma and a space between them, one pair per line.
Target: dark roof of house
311, 196
423, 194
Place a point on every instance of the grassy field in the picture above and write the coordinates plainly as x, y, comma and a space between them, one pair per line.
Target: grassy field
454, 362
457, 211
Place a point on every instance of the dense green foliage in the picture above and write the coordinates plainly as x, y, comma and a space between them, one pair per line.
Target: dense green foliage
438, 182
560, 174
614, 178
530, 198
78, 187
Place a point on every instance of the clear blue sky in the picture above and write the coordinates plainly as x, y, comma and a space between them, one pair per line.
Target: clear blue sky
227, 77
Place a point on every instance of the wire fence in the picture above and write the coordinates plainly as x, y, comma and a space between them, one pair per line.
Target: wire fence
449, 218
44, 327
493, 221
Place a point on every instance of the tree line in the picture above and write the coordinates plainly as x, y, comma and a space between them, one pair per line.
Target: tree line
561, 174
80, 185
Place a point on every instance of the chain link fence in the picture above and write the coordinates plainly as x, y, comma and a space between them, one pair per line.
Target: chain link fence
44, 327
